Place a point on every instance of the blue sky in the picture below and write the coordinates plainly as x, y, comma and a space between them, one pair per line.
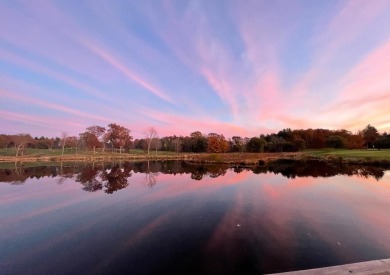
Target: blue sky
232, 67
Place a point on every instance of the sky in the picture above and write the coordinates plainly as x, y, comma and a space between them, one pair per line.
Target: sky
231, 67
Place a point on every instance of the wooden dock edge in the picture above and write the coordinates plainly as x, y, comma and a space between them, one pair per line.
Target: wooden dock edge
377, 267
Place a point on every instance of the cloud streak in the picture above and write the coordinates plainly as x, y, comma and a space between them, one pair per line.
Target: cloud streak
130, 74
51, 105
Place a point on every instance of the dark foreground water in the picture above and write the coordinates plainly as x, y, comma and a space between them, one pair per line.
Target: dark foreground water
174, 218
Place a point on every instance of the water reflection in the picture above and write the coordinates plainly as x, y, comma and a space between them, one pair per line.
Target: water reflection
112, 177
181, 218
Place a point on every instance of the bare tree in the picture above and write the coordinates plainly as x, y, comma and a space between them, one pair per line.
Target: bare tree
64, 137
21, 141
150, 135
105, 140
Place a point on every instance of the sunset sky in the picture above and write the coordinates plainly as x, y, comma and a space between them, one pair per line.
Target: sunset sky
232, 67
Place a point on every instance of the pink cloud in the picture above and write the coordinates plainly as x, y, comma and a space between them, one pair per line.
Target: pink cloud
197, 47
222, 88
186, 125
268, 98
355, 17
369, 77
54, 106
364, 97
37, 121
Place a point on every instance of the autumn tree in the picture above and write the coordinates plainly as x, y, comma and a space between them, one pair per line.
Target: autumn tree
318, 139
355, 141
217, 143
118, 136
73, 142
92, 137
89, 140
370, 133
4, 141
95, 136
150, 135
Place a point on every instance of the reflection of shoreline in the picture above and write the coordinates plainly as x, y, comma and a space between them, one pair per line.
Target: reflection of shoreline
111, 177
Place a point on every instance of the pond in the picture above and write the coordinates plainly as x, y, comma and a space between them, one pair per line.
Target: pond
180, 218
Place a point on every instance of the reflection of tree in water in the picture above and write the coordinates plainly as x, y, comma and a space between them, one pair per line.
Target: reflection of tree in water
320, 169
151, 173
151, 178
214, 171
198, 173
66, 171
367, 172
88, 178
238, 169
115, 178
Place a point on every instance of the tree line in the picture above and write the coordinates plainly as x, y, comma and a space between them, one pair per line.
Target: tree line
118, 138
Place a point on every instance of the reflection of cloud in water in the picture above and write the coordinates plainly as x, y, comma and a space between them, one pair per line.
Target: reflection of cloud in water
133, 239
251, 220
283, 219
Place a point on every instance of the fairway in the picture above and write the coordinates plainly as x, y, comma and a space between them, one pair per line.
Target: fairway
370, 154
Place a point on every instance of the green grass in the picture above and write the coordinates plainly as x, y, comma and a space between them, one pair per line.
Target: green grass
370, 154
34, 152
72, 151
363, 154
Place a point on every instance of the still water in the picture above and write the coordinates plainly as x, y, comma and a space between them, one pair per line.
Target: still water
177, 218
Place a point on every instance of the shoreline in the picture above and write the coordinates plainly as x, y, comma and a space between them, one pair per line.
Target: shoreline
237, 159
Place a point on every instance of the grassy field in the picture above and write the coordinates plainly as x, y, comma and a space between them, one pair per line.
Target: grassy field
252, 158
57, 152
363, 154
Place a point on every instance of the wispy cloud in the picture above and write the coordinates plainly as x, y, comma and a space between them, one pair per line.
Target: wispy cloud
130, 74
50, 105
231, 68
38, 68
